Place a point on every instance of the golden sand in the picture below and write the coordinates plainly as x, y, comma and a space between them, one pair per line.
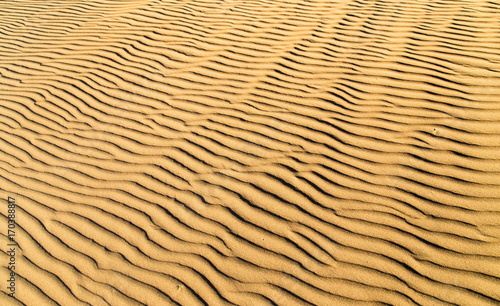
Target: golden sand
265, 152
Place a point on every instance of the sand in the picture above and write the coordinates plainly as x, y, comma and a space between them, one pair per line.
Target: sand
267, 152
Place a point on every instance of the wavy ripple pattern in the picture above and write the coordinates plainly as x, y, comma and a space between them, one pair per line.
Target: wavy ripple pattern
270, 152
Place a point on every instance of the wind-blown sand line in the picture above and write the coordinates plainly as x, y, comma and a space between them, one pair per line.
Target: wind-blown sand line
276, 152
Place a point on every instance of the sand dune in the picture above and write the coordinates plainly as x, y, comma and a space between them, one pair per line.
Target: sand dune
251, 152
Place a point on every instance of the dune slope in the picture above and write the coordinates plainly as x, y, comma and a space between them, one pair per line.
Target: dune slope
269, 152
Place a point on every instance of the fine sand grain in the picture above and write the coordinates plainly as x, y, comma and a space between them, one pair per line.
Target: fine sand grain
264, 152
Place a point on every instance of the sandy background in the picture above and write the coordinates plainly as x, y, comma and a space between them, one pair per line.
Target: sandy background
251, 152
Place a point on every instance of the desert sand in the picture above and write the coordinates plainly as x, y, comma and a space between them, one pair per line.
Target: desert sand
237, 152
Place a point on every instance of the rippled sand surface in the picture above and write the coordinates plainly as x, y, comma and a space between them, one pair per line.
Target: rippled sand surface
265, 152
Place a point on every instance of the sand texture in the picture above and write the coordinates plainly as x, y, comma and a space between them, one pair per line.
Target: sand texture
264, 152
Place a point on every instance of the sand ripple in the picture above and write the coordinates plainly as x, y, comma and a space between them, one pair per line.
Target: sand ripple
252, 152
